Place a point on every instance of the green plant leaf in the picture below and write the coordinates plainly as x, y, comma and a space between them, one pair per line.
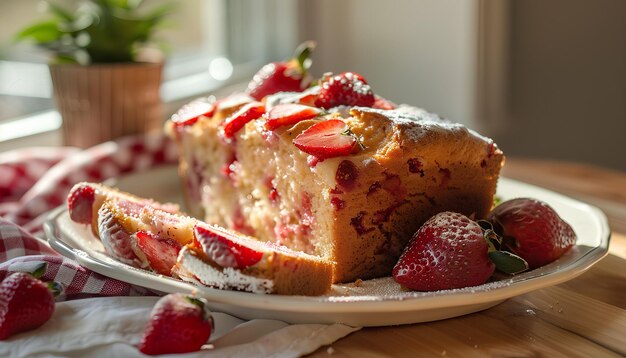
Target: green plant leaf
60, 12
41, 33
64, 59
115, 30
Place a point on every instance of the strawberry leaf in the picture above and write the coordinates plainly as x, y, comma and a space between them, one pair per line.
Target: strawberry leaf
40, 270
507, 262
196, 301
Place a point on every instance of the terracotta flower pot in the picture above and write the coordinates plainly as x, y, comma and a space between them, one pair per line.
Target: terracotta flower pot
106, 101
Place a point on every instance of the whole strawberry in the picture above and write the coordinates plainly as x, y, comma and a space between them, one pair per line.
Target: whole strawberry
348, 88
178, 324
290, 76
531, 229
448, 251
25, 303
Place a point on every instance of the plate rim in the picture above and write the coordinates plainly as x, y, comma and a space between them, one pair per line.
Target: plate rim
333, 304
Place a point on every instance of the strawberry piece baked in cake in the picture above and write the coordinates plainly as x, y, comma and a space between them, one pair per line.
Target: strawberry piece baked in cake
140, 233
333, 171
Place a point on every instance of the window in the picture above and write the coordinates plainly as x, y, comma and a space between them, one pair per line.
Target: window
214, 43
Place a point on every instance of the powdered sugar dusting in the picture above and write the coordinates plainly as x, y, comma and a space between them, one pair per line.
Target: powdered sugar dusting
416, 122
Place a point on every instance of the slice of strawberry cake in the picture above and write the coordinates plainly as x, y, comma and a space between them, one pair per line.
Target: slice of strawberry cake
140, 233
333, 171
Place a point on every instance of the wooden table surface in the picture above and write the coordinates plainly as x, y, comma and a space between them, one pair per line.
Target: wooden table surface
584, 317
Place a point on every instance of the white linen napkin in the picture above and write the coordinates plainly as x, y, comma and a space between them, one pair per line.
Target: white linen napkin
113, 326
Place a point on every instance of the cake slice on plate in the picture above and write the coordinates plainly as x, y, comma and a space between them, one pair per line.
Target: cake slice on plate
139, 232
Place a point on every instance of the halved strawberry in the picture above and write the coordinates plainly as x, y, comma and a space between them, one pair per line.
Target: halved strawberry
226, 248
189, 113
288, 114
244, 115
116, 239
331, 138
79, 204
160, 252
290, 76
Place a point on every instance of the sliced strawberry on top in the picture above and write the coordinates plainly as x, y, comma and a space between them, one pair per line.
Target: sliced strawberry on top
290, 76
226, 248
160, 252
80, 204
189, 113
244, 115
331, 138
288, 114
348, 88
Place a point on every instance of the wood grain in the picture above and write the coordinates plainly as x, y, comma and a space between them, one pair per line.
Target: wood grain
584, 317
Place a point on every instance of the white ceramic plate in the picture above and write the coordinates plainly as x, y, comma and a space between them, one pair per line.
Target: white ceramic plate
376, 302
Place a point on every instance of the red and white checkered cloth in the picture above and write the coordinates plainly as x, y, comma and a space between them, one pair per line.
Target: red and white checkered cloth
37, 180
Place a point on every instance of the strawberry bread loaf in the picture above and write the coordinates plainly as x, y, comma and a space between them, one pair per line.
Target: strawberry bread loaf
350, 183
327, 167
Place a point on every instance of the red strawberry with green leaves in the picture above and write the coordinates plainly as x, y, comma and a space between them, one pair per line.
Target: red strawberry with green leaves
245, 114
178, 324
327, 139
532, 229
289, 114
189, 114
25, 302
227, 248
348, 89
289, 76
161, 253
451, 251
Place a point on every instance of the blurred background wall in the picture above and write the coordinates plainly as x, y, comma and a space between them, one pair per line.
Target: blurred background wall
544, 78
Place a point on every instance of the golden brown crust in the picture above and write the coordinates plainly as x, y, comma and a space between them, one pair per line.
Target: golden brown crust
410, 179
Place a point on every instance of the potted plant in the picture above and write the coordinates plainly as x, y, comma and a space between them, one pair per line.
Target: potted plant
105, 73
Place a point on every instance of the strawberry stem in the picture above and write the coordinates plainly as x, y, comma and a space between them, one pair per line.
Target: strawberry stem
351, 133
203, 304
55, 287
303, 54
